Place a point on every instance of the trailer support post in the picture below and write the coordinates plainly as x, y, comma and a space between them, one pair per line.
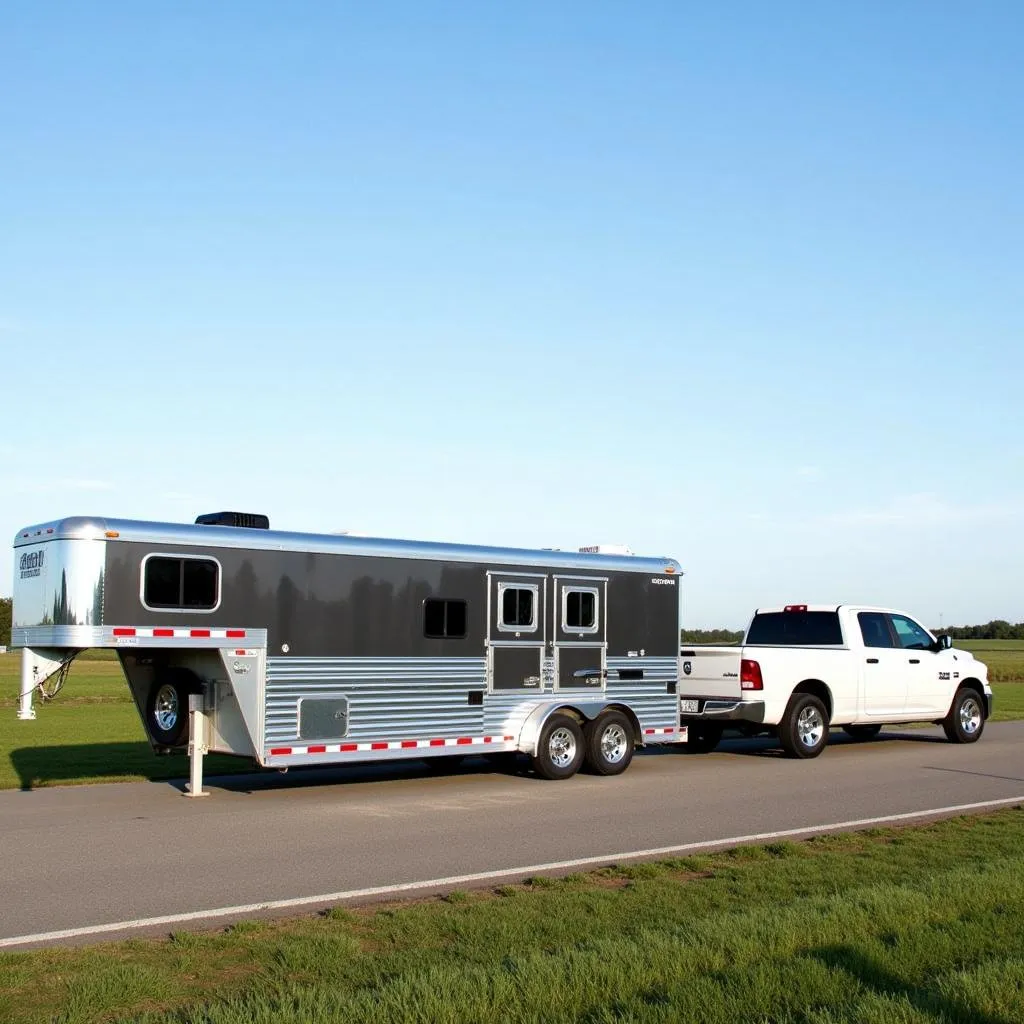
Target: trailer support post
28, 684
197, 744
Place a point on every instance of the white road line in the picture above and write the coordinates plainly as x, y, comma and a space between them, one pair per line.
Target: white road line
484, 876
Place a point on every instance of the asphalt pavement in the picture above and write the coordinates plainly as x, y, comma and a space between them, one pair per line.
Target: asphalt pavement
118, 856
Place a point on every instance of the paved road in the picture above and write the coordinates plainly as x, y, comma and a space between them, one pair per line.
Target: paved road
80, 856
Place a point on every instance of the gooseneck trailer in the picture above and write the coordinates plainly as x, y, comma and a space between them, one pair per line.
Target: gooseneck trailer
297, 649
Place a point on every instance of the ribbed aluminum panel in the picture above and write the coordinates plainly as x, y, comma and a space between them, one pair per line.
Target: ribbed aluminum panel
423, 698
389, 698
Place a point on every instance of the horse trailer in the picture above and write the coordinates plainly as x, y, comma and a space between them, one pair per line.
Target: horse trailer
297, 649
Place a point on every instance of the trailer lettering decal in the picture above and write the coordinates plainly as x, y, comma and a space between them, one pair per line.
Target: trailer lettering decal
31, 564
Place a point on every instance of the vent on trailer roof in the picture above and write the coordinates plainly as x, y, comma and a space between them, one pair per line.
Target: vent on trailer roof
251, 520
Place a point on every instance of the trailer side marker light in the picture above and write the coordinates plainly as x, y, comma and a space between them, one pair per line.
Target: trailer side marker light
122, 631
50, 530
240, 653
670, 568
111, 533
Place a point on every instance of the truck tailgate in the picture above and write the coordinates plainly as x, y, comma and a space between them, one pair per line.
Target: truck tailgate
710, 672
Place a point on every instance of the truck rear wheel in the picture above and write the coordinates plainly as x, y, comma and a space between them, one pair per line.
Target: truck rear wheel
803, 731
609, 741
966, 718
559, 749
167, 706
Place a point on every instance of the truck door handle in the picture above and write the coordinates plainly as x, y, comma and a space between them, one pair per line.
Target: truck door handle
872, 661
915, 661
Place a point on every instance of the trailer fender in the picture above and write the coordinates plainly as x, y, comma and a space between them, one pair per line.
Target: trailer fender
582, 711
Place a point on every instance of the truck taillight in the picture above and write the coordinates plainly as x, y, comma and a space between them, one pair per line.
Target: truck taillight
750, 675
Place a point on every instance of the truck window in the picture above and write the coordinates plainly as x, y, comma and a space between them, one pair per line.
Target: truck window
911, 636
874, 628
795, 629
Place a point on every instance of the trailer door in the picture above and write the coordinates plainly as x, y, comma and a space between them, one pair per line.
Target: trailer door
516, 630
579, 625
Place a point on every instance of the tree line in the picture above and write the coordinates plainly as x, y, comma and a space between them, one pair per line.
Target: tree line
997, 629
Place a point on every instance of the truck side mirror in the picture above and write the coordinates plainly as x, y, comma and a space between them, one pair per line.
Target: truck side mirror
945, 642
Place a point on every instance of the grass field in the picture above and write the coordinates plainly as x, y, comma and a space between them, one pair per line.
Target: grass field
913, 925
91, 731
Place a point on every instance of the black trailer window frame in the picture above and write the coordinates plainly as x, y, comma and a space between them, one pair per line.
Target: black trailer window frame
515, 606
444, 618
188, 579
574, 607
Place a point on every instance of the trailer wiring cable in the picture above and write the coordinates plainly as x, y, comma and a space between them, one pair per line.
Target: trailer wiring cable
47, 693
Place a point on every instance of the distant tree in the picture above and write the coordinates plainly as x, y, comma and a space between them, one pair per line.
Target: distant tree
997, 629
6, 604
710, 636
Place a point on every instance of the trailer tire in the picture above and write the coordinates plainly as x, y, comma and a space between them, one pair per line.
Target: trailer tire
803, 731
559, 749
966, 719
167, 706
703, 737
862, 732
609, 743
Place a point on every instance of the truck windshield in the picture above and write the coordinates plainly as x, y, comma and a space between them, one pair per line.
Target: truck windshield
796, 629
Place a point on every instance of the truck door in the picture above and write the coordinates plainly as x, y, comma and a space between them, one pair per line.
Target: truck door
516, 630
922, 667
579, 627
883, 674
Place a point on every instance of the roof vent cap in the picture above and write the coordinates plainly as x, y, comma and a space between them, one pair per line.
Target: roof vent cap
249, 520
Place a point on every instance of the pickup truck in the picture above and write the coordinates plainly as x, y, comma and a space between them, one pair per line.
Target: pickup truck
804, 669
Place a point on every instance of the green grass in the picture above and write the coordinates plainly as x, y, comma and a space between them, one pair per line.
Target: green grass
913, 925
91, 732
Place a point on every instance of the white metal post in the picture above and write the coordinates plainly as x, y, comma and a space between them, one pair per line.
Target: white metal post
28, 684
197, 744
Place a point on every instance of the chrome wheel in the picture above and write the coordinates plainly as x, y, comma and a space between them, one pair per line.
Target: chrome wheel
562, 747
614, 743
970, 716
810, 727
166, 708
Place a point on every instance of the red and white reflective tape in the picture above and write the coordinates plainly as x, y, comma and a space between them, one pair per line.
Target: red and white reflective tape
352, 748
184, 634
657, 732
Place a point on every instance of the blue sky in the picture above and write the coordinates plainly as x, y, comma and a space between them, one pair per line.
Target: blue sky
741, 283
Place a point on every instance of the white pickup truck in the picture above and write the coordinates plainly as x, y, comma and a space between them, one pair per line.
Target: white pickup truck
805, 668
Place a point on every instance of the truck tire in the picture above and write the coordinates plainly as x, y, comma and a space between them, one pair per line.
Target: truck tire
803, 731
559, 749
966, 719
862, 732
609, 743
167, 706
703, 737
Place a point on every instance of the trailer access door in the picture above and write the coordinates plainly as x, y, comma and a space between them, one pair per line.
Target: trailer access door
579, 627
516, 630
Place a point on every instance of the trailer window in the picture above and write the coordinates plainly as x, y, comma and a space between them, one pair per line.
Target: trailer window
444, 619
579, 610
186, 584
518, 608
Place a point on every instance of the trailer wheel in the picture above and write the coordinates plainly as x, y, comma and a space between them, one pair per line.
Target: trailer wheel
803, 731
966, 718
560, 748
862, 732
703, 737
167, 706
609, 743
